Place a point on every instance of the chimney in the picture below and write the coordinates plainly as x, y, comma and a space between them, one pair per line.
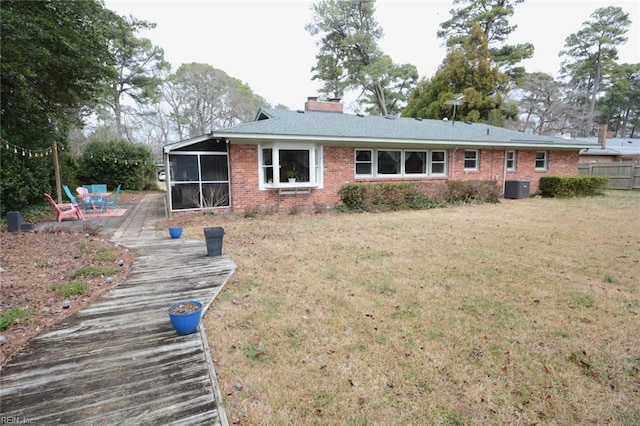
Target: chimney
602, 136
332, 105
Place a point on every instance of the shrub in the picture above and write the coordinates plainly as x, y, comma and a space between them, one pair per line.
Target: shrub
384, 196
472, 191
118, 162
572, 186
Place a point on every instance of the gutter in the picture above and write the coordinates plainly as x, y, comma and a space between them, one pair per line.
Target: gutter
259, 138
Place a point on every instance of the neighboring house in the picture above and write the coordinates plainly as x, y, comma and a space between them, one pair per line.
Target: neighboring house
610, 149
249, 166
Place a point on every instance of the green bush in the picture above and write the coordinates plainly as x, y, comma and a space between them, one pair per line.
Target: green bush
472, 191
572, 186
384, 196
118, 162
411, 195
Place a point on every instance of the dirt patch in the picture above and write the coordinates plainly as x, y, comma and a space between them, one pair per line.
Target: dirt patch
34, 262
184, 308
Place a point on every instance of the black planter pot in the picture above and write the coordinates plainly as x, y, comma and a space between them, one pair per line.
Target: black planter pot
213, 236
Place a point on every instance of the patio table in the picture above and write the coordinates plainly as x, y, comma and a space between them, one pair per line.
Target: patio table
100, 199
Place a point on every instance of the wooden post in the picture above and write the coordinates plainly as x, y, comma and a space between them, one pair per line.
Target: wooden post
56, 168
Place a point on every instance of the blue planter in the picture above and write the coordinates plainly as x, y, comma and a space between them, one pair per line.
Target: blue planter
185, 323
175, 231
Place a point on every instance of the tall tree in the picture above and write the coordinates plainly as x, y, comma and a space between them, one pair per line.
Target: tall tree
396, 82
591, 52
620, 106
349, 57
466, 70
138, 68
547, 106
55, 57
202, 98
492, 17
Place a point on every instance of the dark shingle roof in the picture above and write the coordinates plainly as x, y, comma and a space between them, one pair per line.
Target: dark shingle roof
343, 128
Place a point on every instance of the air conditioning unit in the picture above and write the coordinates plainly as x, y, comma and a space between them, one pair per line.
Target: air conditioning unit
516, 189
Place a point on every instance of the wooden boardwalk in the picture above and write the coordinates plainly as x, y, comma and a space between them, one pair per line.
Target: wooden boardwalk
118, 361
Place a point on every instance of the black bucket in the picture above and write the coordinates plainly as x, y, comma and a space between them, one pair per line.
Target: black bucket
213, 236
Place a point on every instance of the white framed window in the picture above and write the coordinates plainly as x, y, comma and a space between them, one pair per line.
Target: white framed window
390, 163
511, 161
542, 160
438, 163
285, 165
364, 162
471, 160
415, 162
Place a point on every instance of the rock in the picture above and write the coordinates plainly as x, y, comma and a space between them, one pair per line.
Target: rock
66, 304
108, 280
120, 262
3, 340
238, 386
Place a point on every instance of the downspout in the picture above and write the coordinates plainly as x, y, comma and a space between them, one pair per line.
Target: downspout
504, 170
168, 208
453, 163
228, 143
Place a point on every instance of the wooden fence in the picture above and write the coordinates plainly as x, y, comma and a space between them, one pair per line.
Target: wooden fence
622, 175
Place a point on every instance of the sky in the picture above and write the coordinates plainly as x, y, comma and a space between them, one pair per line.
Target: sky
264, 43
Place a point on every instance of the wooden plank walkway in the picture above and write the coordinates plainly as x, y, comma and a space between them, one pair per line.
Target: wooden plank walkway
119, 361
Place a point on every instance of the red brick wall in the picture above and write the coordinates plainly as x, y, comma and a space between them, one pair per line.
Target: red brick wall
559, 163
338, 170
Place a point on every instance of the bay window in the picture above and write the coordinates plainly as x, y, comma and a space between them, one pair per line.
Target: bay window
285, 165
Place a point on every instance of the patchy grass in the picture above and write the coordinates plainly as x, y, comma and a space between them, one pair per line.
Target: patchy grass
94, 271
71, 288
490, 314
11, 315
106, 254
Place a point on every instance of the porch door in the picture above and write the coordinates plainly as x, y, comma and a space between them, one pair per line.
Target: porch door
199, 180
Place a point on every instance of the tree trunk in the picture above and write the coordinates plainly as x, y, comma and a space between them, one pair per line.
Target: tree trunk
596, 89
379, 92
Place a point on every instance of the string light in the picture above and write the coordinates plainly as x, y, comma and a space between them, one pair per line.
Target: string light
37, 153
26, 152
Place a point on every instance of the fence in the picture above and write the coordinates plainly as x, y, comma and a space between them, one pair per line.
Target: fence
622, 175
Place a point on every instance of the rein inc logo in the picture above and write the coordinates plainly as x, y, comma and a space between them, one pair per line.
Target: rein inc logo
15, 420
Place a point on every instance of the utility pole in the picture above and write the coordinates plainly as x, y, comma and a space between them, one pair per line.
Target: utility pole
56, 168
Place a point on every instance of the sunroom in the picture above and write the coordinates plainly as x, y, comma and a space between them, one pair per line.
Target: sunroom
198, 175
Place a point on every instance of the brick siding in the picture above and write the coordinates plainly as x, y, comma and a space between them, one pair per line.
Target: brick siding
338, 170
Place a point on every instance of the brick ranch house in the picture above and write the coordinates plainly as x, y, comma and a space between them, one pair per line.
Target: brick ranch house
286, 158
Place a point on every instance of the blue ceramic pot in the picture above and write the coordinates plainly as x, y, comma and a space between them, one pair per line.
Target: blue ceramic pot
175, 231
185, 323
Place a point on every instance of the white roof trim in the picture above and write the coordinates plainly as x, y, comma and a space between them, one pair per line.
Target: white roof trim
257, 138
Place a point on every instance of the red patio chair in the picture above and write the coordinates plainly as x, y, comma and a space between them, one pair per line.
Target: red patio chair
65, 209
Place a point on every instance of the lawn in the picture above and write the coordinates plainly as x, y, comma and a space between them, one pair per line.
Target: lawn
522, 312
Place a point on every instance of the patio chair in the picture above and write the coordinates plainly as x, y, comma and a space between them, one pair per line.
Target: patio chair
98, 187
113, 202
64, 210
70, 196
88, 201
